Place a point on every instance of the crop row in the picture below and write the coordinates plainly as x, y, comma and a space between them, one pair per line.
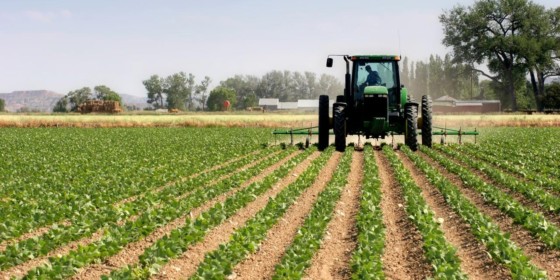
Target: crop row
531, 191
535, 222
51, 175
367, 258
219, 263
133, 230
529, 145
530, 168
437, 250
179, 240
85, 225
497, 243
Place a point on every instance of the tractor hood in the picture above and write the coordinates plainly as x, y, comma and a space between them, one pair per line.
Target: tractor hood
375, 90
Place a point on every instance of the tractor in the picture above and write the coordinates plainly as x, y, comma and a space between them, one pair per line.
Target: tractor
375, 104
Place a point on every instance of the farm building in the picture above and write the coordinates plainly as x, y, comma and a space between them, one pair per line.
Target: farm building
448, 104
302, 104
269, 103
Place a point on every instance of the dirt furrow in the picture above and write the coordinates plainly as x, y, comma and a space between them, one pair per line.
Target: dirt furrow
517, 196
130, 253
541, 256
332, 261
20, 270
261, 264
475, 262
403, 257
186, 265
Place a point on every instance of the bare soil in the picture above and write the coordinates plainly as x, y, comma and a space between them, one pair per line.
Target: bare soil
475, 262
541, 256
403, 257
261, 264
332, 261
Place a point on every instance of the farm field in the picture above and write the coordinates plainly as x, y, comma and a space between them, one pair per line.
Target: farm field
225, 203
250, 119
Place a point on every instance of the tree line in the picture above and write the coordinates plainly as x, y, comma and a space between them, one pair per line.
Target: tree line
180, 91
508, 42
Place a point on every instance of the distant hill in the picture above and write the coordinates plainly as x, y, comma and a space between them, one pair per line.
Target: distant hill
44, 100
36, 100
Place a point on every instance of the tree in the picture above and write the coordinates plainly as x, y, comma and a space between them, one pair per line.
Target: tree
201, 90
154, 86
79, 96
329, 85
177, 91
551, 98
218, 96
540, 51
61, 105
105, 93
490, 32
245, 87
2, 105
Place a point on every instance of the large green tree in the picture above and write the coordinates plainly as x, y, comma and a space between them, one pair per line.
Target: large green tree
542, 48
2, 105
105, 93
177, 91
551, 99
491, 32
218, 96
79, 96
61, 105
155, 87
245, 87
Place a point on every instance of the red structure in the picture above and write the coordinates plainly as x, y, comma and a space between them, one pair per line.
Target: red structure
226, 105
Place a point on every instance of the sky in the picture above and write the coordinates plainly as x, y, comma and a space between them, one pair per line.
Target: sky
63, 45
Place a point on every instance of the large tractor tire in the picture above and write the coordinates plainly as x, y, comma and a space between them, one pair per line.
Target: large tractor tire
340, 98
410, 135
427, 121
339, 126
323, 122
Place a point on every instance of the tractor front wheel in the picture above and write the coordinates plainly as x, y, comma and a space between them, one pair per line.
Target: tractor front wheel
427, 121
410, 135
339, 126
323, 122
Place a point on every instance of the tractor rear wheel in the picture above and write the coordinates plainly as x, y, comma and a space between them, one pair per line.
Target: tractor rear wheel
427, 121
339, 126
410, 135
323, 122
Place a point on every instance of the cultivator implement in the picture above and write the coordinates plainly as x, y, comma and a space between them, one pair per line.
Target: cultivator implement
438, 131
444, 132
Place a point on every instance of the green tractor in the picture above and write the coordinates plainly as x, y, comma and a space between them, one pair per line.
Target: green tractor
375, 104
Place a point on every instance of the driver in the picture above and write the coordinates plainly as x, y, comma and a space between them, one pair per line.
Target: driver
372, 78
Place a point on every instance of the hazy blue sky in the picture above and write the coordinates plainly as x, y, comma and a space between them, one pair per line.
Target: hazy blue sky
64, 45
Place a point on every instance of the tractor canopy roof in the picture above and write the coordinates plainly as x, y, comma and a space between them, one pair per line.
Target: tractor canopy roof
382, 57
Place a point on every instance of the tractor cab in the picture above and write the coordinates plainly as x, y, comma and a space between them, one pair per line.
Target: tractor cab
374, 104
